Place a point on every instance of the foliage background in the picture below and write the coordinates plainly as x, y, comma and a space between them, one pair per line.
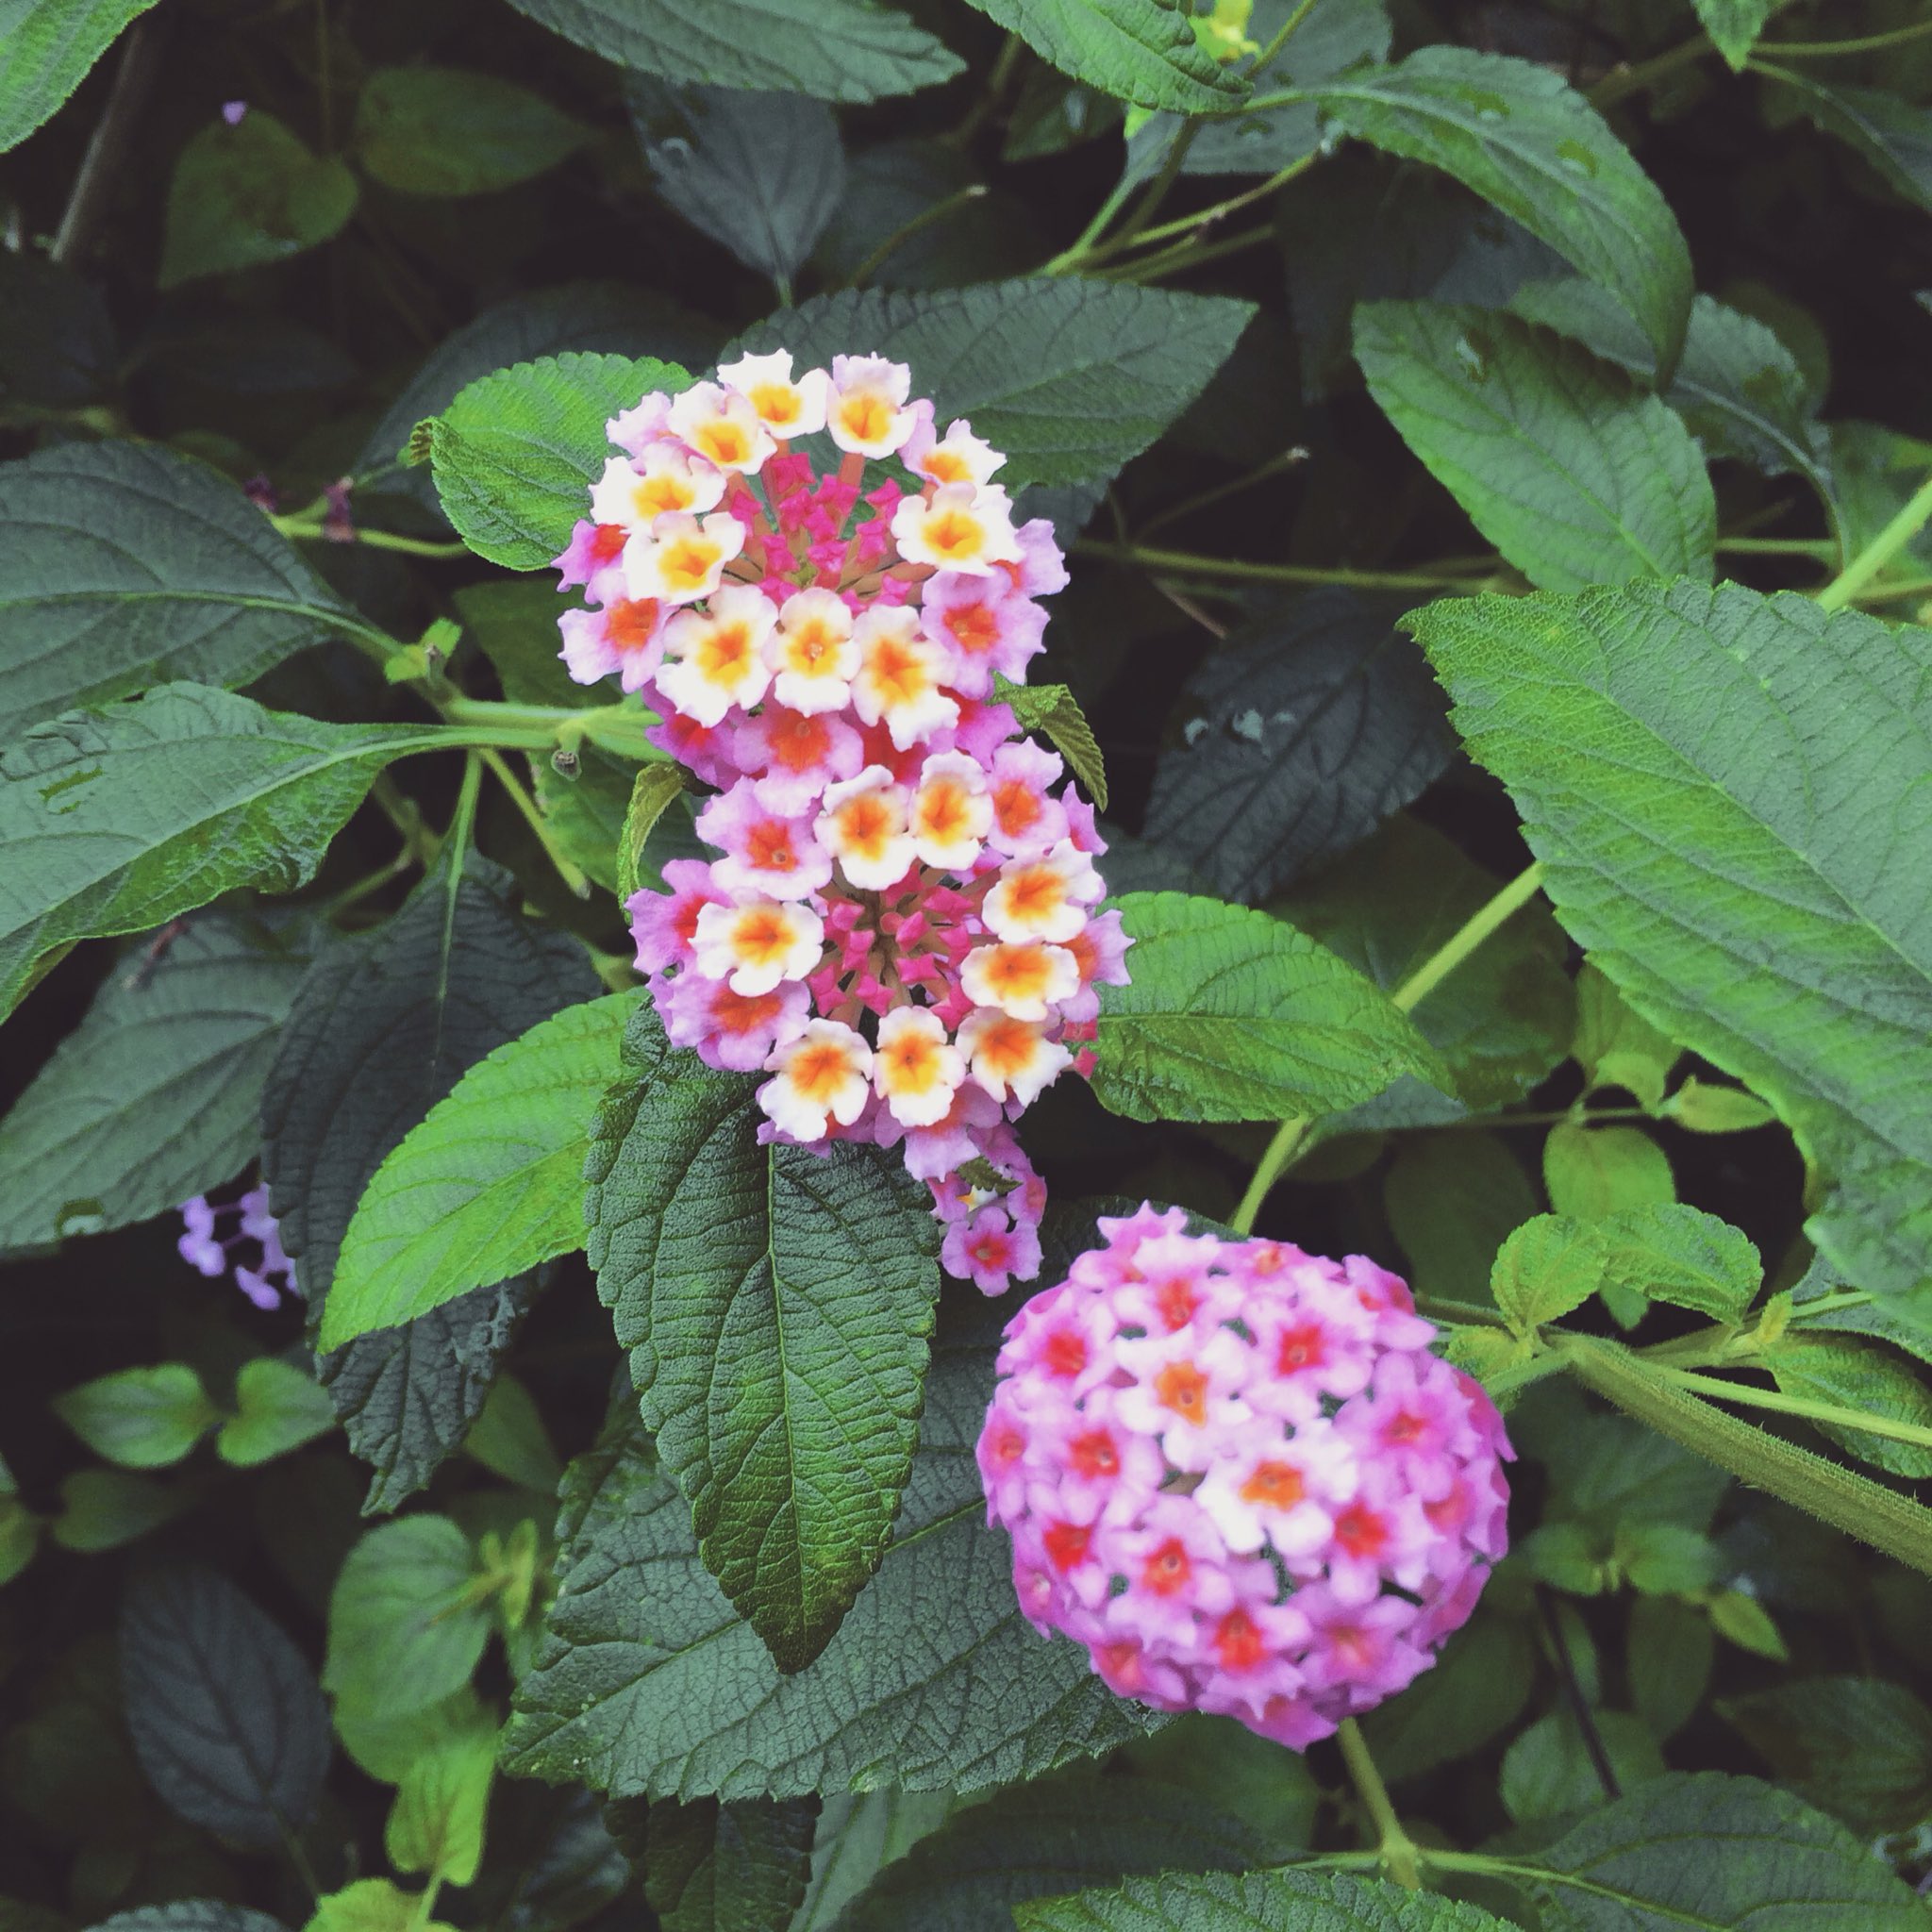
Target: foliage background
228, 1673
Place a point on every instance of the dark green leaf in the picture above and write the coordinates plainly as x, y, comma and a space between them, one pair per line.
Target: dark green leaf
1255, 1902
1521, 139
1893, 134
759, 173
1594, 1172
277, 1408
226, 1717
1854, 1375
191, 1915
1574, 475
1857, 1747
249, 193
1734, 26
1452, 1200
1643, 730
1142, 51
444, 131
647, 1681
1715, 1854
1299, 735
515, 453
1669, 1253
129, 565
1053, 709
1668, 1661
488, 1185
1737, 388
1549, 1772
45, 53
1472, 1695
1070, 377
116, 821
728, 1867
157, 1094
382, 1028
776, 1305
1234, 1016
1502, 1018
1039, 1841
57, 340
834, 50
857, 1837
104, 1509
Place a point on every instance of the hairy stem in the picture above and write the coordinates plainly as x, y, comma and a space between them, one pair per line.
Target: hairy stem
1395, 1846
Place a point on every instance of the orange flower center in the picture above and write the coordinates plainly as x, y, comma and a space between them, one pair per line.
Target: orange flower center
1182, 1387
1276, 1485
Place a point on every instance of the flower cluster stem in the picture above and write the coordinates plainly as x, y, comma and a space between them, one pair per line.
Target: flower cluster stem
1400, 1857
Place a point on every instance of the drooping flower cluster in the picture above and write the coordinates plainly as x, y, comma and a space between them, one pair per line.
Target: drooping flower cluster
1235, 1474
248, 1220
900, 927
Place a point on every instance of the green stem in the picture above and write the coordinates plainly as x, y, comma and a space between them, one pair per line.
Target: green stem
1070, 258
462, 821
1832, 1412
1283, 36
1469, 1314
1830, 1304
1898, 594
1821, 547
1466, 939
1184, 224
1907, 524
1260, 474
973, 190
545, 727
987, 106
1860, 1508
1409, 995
1148, 206
1630, 80
1394, 1847
1191, 564
568, 870
307, 529
1825, 50
1184, 254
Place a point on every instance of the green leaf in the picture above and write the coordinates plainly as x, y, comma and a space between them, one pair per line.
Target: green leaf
224, 1714
249, 193
1248, 1779
277, 1407
1747, 1623
447, 131
385, 1743
372, 1905
1054, 709
647, 1681
1548, 1770
1535, 148
1857, 1747
1734, 26
1036, 1840
513, 621
140, 1418
45, 53
1234, 1016
1574, 475
610, 318
1669, 1253
129, 565
1502, 1018
1854, 1375
1593, 1171
1667, 1661
116, 821
155, 1095
1616, 1047
191, 1915
1142, 51
1895, 135
833, 50
1254, 1901
104, 1509
515, 453
728, 1867
403, 1630
510, 1438
19, 1529
1072, 377
1545, 1269
1641, 731
1714, 1854
653, 789
488, 1185
776, 1307
1704, 1107
382, 1027
1299, 734
1738, 389
761, 173
1452, 1200
436, 1824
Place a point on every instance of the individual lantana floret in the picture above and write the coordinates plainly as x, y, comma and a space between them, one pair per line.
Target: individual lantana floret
1235, 1474
900, 928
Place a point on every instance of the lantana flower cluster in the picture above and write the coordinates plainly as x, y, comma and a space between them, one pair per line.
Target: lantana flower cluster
900, 928
213, 1232
1235, 1474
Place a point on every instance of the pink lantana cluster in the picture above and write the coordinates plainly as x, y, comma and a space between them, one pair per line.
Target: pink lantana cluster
210, 1251
1235, 1474
899, 928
